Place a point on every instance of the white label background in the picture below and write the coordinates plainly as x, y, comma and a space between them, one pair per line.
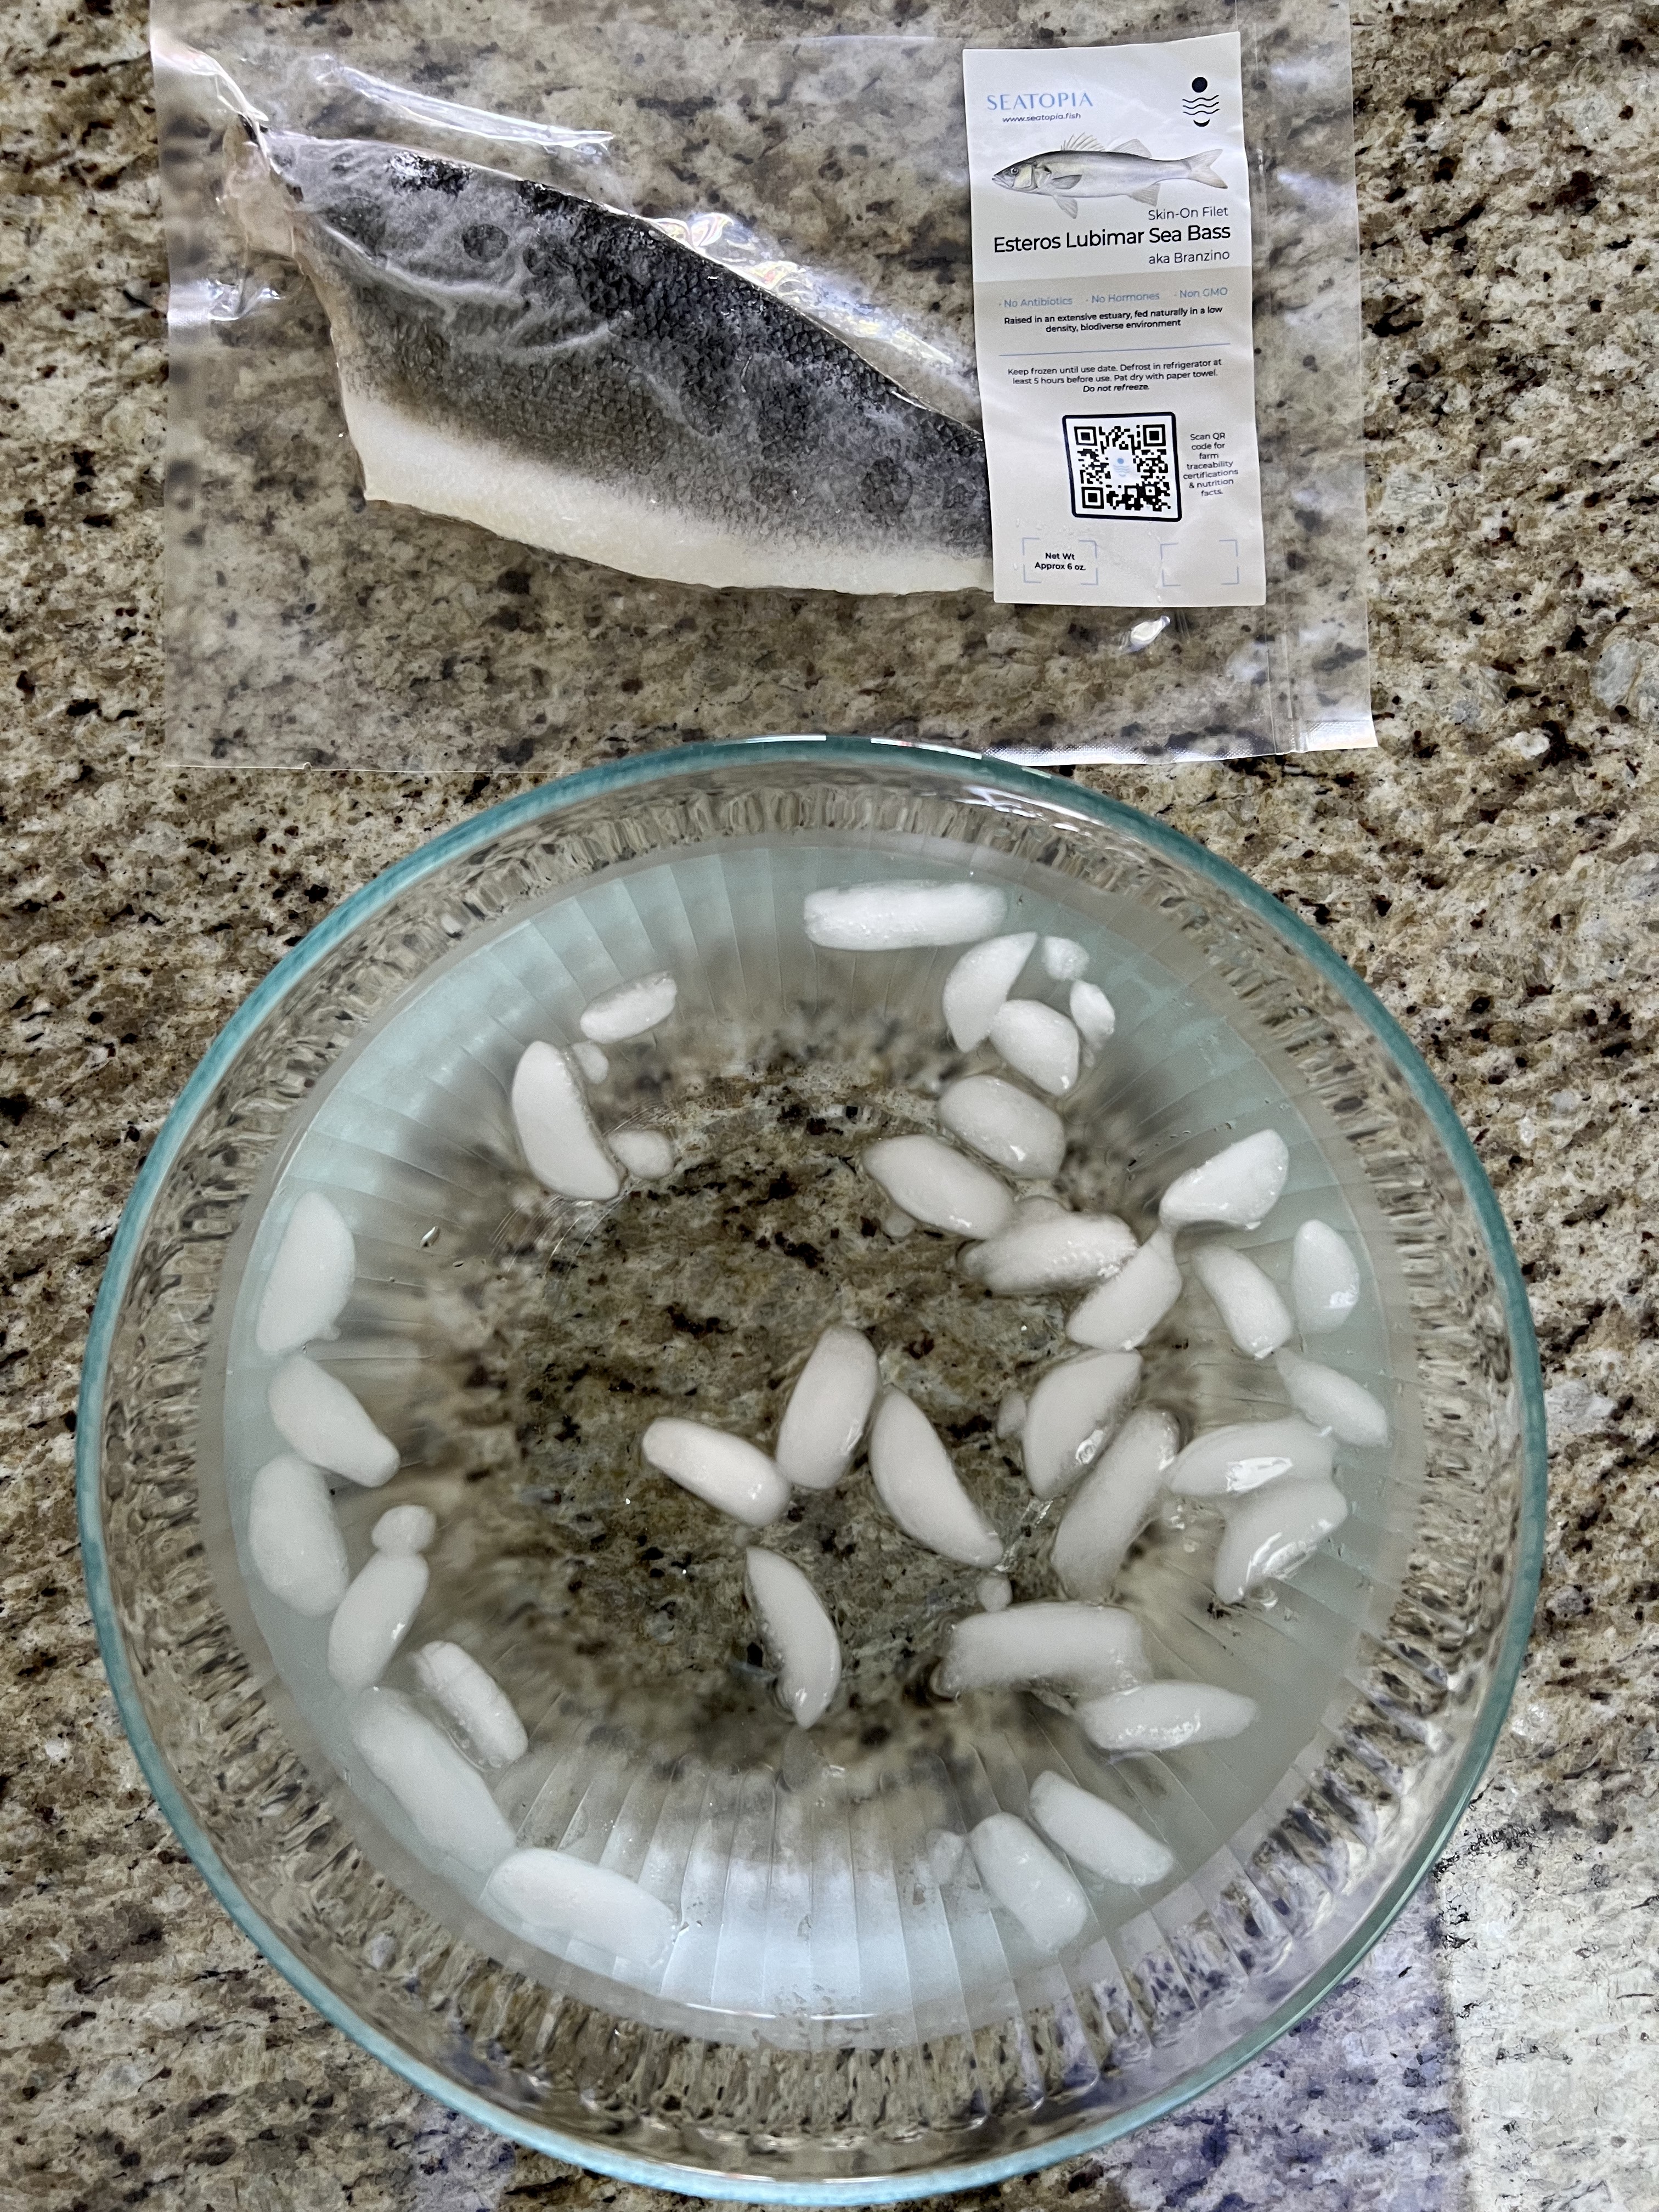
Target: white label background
1106, 338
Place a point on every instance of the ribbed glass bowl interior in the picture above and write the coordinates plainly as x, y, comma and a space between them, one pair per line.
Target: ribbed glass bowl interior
844, 2016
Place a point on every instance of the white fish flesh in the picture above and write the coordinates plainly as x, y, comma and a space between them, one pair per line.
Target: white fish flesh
1225, 1462
1079, 1647
1026, 1878
976, 987
1165, 1715
568, 376
935, 1185
1324, 1279
1254, 1314
590, 1060
1125, 1311
446, 1797
1332, 1402
474, 1701
795, 1626
1095, 1835
629, 1010
917, 1483
1006, 1125
293, 1538
900, 917
1046, 1248
1114, 1502
995, 1593
319, 1417
1270, 1534
1239, 1186
550, 1112
555, 1895
827, 1411
722, 1470
310, 1279
1074, 1411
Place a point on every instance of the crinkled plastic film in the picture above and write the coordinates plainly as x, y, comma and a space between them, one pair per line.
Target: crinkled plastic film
821, 154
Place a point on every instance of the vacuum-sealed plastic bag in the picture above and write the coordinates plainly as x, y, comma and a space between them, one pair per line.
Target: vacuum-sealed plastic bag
544, 372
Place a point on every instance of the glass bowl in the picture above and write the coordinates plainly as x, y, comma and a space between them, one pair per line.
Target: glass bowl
847, 2016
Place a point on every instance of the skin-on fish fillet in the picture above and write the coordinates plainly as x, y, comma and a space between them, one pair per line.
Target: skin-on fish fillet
567, 376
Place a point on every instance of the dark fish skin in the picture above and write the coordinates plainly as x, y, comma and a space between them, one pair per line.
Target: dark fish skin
594, 349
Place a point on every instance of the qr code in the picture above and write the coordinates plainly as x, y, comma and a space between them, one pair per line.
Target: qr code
1123, 465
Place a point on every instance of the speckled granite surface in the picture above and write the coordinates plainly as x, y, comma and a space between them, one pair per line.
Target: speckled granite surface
1493, 871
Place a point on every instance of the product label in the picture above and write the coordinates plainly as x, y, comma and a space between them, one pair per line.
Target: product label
1111, 217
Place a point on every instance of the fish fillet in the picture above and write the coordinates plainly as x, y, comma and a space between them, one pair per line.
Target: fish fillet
567, 376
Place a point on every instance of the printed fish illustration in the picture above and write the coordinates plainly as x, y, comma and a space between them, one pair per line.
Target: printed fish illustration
1083, 169
567, 376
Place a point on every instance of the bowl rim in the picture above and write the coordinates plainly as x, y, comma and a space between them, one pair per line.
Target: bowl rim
548, 800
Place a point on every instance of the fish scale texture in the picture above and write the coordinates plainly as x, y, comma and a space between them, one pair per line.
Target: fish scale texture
585, 340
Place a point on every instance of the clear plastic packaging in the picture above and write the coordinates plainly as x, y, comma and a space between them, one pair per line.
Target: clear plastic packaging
308, 624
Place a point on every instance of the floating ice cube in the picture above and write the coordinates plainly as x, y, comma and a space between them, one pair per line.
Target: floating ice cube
1126, 1310
474, 1701
794, 1625
1239, 1186
1010, 1415
310, 1279
1064, 958
1095, 1835
1225, 1462
919, 1486
945, 1848
995, 1593
1332, 1402
405, 1528
645, 1153
1114, 1504
1074, 1412
1164, 1715
293, 1538
1026, 1878
827, 1410
324, 1424
1271, 1533
1255, 1315
629, 1010
1324, 1279
447, 1800
373, 1617
1006, 1125
561, 1144
893, 917
935, 1185
724, 1470
976, 987
1037, 1043
1093, 1012
1046, 1248
553, 1896
590, 1060
1080, 1647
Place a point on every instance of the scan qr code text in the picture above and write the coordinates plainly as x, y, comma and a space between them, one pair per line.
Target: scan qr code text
1123, 467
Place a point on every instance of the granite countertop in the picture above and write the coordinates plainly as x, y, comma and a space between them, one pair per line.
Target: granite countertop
1492, 870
